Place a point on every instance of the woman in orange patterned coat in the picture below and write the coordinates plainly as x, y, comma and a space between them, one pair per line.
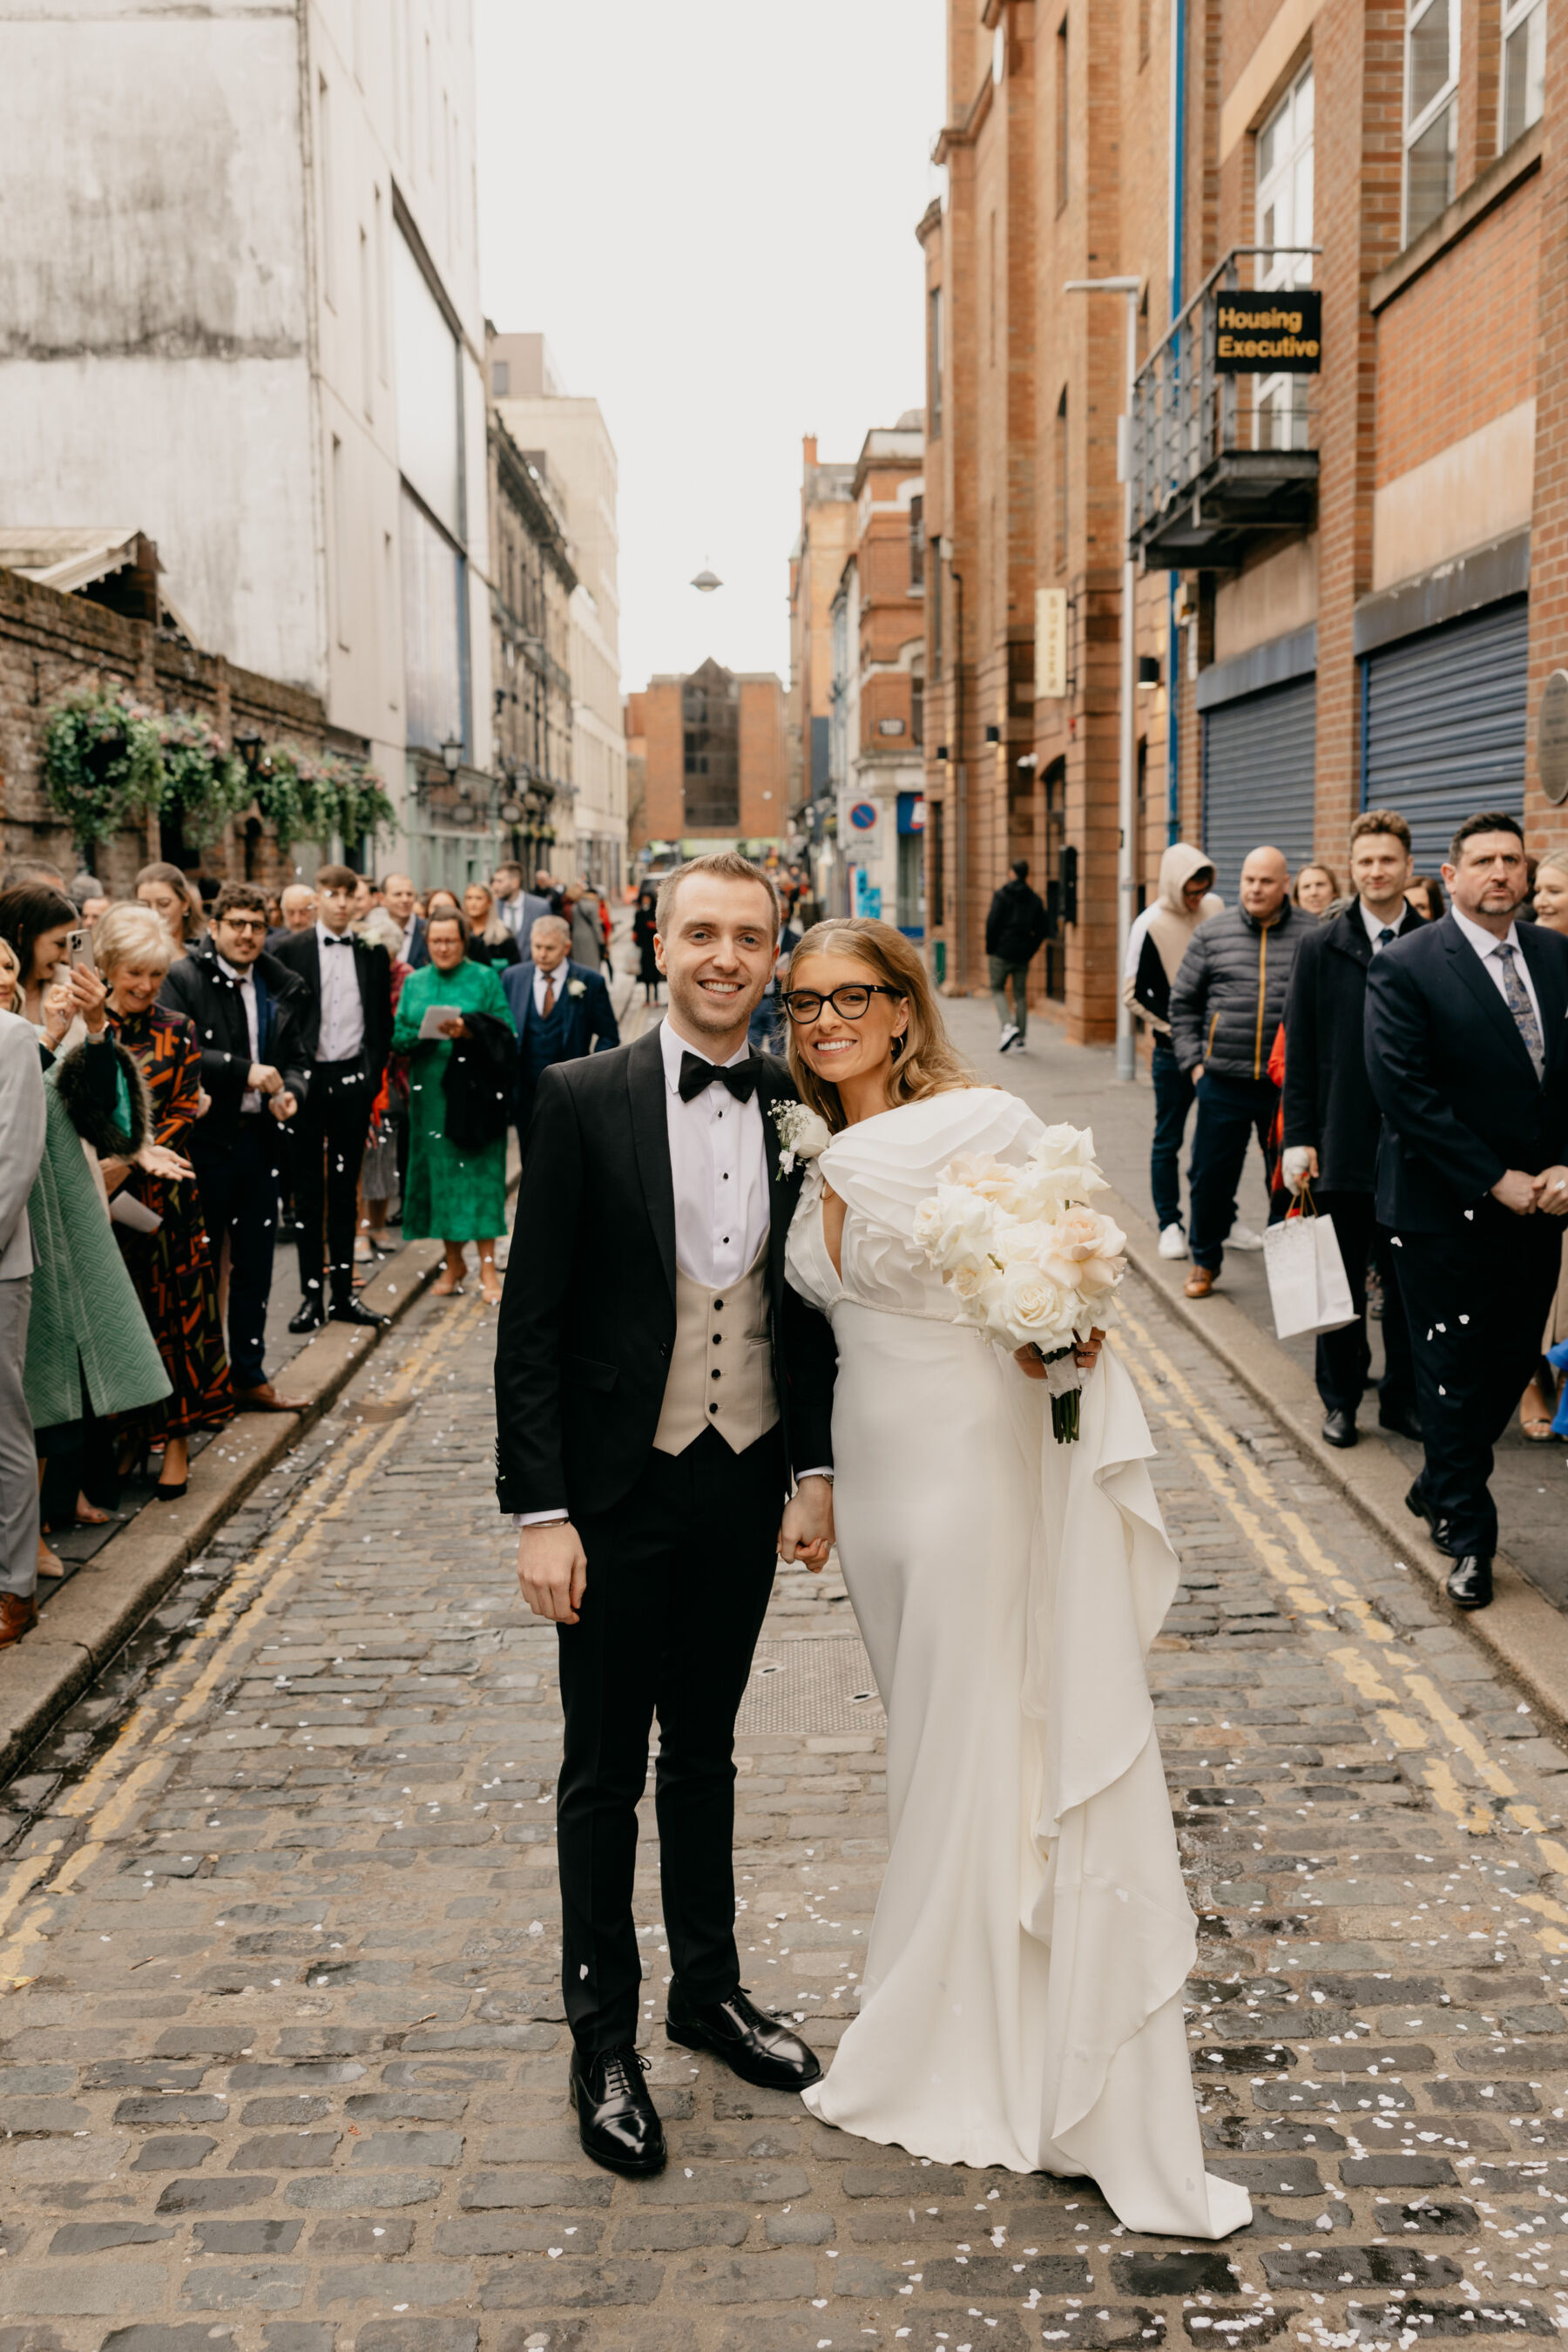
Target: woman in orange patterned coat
171, 1266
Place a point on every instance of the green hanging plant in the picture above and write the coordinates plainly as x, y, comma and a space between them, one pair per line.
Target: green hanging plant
104, 763
280, 794
313, 795
204, 782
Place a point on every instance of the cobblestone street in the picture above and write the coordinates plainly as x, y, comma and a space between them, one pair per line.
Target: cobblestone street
283, 2062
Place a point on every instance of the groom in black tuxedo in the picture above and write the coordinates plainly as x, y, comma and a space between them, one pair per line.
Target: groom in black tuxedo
663, 1404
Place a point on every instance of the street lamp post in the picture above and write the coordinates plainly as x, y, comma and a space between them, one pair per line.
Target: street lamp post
1132, 288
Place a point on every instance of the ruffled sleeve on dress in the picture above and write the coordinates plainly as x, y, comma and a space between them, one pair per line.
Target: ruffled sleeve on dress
886, 1166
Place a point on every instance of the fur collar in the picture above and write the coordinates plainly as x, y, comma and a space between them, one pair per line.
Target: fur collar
82, 1093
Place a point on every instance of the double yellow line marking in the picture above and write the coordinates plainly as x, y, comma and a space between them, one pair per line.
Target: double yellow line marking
145, 1744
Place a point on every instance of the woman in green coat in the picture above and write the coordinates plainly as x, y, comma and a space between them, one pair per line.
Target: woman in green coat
459, 1103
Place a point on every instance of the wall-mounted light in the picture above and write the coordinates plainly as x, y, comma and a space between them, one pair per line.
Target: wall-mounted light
994, 734
1148, 671
942, 751
452, 753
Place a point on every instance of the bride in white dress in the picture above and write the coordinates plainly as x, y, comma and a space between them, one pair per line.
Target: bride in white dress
1022, 1997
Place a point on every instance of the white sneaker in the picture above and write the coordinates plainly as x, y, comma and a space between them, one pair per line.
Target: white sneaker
1007, 1036
1172, 1241
1242, 1237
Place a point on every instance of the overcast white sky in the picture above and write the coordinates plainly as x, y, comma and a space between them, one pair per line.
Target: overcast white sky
709, 210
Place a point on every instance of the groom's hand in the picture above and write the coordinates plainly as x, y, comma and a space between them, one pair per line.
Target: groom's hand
553, 1569
806, 1534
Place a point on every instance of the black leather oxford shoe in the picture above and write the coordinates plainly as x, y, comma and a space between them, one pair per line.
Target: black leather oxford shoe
349, 1310
617, 2123
753, 2045
1403, 1420
1340, 1429
311, 1317
1469, 1582
1416, 1504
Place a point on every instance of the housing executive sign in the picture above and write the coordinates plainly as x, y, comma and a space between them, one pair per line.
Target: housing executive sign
1278, 332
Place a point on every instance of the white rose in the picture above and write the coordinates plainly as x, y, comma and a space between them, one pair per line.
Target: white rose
1030, 1304
972, 1279
810, 1136
1064, 1147
576, 988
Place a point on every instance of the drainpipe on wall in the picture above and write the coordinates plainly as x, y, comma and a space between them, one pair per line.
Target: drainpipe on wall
1175, 199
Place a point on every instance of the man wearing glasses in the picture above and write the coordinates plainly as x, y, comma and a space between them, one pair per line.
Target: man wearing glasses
246, 1008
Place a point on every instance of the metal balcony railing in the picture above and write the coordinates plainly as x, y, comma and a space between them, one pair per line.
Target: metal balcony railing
1216, 458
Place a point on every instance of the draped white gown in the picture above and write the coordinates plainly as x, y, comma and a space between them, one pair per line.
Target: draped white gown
1022, 1999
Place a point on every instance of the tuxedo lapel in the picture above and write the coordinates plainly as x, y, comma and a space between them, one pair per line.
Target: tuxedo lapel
1486, 992
650, 1138
774, 1087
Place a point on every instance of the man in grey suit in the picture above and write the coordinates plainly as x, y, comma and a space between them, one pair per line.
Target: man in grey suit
21, 1149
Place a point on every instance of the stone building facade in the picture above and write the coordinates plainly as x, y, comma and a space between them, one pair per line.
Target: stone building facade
531, 598
1352, 584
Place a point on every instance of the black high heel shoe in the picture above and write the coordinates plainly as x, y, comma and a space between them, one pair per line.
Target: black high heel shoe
170, 1494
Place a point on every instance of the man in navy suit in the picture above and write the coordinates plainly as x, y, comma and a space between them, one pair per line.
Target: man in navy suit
1467, 1049
397, 896
563, 1011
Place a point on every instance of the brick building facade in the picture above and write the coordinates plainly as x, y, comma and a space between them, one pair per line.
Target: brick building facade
711, 762
1352, 584
54, 644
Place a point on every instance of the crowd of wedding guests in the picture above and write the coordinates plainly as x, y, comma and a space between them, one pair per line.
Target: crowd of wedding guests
1399, 1049
188, 1076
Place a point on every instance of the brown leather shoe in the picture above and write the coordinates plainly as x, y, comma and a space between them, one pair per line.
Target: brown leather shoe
1199, 1283
266, 1399
17, 1617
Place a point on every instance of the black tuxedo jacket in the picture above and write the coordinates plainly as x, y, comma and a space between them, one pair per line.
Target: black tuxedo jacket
1459, 1097
1329, 1101
198, 985
301, 952
587, 1316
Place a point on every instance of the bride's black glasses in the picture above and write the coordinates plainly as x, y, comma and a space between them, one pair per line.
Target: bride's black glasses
804, 1005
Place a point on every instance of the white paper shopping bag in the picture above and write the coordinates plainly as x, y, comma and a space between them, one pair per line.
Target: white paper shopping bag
1307, 1285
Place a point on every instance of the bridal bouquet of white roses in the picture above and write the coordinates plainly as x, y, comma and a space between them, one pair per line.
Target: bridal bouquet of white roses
1027, 1259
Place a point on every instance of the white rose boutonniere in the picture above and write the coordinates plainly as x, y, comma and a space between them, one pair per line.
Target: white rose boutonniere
576, 988
802, 1133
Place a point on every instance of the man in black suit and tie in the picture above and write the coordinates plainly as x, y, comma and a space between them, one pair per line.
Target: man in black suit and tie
246, 1007
563, 1011
1467, 1048
346, 1029
1332, 1122
661, 1391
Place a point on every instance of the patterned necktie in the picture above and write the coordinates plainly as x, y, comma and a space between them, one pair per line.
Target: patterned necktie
1384, 937
1520, 1005
549, 994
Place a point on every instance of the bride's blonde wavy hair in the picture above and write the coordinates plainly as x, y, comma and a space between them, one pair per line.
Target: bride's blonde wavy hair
929, 1063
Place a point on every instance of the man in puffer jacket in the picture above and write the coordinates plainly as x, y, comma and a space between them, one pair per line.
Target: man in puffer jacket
1227, 1003
1155, 946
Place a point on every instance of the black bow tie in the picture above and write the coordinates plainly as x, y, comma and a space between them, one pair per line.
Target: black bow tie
337, 939
697, 1076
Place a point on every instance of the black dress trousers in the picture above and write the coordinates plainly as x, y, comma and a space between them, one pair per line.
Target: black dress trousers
1344, 1357
331, 1133
1476, 1302
679, 1572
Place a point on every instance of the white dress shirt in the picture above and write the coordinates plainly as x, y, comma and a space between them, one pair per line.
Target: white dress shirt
543, 980
1375, 927
719, 1166
342, 1032
246, 982
1486, 946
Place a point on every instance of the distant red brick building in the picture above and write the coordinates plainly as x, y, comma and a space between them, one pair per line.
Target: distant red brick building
711, 747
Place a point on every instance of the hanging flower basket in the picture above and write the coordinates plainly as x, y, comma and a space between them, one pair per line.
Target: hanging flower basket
313, 795
203, 783
103, 764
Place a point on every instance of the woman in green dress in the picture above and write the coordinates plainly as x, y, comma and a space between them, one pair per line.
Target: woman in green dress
460, 1084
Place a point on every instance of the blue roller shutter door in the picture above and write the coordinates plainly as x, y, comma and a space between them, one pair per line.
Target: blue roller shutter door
1259, 765
1443, 722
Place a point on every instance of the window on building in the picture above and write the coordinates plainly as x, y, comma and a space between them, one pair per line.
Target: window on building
711, 716
917, 542
1064, 116
366, 324
1283, 220
936, 616
435, 659
1143, 13
1059, 470
500, 378
917, 706
934, 362
1431, 110
340, 544
328, 204
1523, 66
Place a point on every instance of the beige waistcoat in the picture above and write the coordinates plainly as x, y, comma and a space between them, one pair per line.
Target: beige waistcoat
721, 1367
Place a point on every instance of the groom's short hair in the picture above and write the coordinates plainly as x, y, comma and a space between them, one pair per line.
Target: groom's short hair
727, 866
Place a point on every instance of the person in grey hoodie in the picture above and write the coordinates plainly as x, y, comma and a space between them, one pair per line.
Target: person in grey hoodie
1225, 1006
1155, 946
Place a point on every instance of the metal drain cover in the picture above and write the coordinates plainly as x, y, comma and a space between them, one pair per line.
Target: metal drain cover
811, 1683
